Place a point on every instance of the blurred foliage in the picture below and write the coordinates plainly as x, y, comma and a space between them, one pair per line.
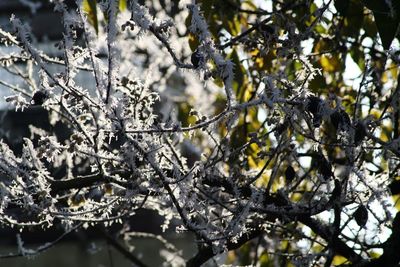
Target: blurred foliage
355, 30
279, 40
90, 8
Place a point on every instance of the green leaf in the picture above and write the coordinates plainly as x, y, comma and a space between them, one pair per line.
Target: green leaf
386, 19
89, 7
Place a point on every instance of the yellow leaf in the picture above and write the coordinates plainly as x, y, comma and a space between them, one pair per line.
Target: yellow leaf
89, 7
122, 5
330, 63
264, 179
76, 201
321, 46
108, 189
249, 5
393, 69
375, 113
375, 254
396, 200
338, 260
385, 133
193, 41
231, 257
384, 78
264, 260
252, 163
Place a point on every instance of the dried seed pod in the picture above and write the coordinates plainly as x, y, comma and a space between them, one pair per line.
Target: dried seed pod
325, 168
280, 128
340, 119
359, 133
345, 118
313, 104
394, 187
290, 174
76, 200
196, 58
361, 215
39, 97
335, 119
317, 120
267, 30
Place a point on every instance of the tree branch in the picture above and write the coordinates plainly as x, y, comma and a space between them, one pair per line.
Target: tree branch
391, 248
207, 252
122, 249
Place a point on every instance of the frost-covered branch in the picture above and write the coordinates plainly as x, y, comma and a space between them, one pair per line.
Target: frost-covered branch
251, 140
